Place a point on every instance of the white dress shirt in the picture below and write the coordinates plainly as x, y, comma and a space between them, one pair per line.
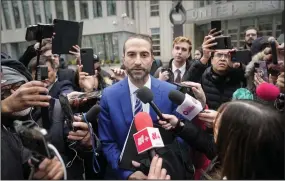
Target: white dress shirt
133, 88
182, 70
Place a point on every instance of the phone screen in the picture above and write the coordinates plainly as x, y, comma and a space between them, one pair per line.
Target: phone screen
261, 69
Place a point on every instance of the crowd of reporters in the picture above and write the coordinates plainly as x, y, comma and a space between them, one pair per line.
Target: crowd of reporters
232, 138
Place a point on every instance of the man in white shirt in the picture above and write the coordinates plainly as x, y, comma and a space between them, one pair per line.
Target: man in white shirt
176, 71
119, 102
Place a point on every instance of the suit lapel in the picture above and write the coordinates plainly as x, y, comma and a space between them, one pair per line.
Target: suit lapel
125, 101
155, 88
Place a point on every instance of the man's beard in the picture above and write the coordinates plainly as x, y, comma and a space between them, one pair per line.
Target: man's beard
138, 78
22, 113
249, 42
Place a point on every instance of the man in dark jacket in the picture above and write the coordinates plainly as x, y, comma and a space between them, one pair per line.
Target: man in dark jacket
177, 69
221, 79
17, 97
55, 87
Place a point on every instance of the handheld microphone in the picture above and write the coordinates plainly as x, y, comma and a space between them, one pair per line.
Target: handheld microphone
188, 106
147, 138
92, 113
90, 117
146, 96
267, 92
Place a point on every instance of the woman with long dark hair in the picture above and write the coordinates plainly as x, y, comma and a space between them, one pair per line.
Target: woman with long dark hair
248, 141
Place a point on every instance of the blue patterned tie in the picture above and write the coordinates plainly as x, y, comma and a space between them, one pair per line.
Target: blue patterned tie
138, 106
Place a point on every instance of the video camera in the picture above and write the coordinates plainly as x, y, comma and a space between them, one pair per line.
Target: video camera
35, 139
39, 32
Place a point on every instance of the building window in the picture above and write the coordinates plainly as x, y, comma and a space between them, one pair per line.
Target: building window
59, 9
278, 25
37, 12
97, 8
6, 14
84, 9
16, 14
111, 8
26, 11
48, 12
127, 8
71, 10
265, 25
4, 48
154, 8
133, 9
155, 35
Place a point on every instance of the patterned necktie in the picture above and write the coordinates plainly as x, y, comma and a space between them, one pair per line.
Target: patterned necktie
178, 77
138, 105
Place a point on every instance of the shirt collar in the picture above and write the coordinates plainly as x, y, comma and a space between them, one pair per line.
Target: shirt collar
133, 88
182, 69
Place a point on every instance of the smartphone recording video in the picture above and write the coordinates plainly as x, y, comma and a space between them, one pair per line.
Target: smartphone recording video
223, 42
216, 25
242, 56
87, 60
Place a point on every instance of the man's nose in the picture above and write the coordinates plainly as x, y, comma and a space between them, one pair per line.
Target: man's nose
138, 60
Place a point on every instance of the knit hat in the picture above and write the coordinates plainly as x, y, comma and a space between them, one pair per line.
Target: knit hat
259, 44
14, 71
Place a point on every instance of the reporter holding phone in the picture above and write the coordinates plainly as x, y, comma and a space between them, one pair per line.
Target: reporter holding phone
221, 79
18, 95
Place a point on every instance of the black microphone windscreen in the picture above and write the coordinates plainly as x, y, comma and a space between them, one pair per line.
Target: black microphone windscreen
92, 113
176, 97
145, 95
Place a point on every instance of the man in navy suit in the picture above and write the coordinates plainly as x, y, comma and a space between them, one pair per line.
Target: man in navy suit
118, 102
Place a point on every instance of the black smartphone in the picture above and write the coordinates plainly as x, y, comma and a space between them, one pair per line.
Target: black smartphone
184, 88
87, 60
39, 32
216, 25
273, 52
67, 111
42, 72
242, 56
223, 42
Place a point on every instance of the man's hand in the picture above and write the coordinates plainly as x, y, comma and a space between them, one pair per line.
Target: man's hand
214, 33
163, 76
119, 74
46, 45
258, 80
198, 91
170, 121
155, 171
86, 82
74, 100
28, 95
49, 170
280, 82
76, 53
82, 134
138, 175
206, 46
208, 117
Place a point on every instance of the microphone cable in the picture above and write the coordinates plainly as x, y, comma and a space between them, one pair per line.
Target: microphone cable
93, 145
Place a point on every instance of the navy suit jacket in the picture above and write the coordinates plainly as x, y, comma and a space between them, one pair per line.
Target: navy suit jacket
116, 117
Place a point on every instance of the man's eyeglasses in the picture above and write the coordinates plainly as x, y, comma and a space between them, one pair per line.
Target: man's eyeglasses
6, 89
220, 55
